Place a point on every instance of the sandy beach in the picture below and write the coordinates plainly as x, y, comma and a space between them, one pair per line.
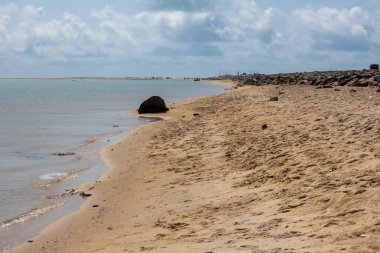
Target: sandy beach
238, 173
223, 82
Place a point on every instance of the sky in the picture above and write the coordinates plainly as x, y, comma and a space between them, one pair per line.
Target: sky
44, 38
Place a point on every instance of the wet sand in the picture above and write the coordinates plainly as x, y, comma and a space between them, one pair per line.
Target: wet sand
213, 178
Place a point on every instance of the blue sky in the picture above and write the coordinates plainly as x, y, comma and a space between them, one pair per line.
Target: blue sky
41, 38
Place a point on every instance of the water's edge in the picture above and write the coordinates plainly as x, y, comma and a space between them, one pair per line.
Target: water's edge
32, 222
69, 201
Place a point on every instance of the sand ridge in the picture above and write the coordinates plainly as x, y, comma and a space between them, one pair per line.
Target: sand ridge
211, 179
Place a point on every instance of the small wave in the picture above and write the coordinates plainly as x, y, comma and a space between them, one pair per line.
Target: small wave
36, 212
51, 179
53, 176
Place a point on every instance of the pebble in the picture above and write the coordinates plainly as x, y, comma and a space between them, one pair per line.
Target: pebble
273, 99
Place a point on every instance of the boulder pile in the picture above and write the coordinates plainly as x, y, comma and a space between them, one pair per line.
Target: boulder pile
354, 78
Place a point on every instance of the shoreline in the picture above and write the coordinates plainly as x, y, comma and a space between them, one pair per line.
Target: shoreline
67, 201
99, 78
212, 179
58, 227
31, 224
87, 187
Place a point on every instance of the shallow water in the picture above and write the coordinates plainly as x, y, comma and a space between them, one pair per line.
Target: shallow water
39, 118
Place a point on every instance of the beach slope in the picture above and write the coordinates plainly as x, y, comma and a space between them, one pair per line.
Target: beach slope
238, 173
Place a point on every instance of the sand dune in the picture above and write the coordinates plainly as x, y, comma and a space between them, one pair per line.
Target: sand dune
213, 179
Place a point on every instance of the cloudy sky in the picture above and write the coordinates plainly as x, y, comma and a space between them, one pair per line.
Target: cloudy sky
185, 37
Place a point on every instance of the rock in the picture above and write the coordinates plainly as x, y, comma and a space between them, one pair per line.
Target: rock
374, 67
352, 90
273, 99
154, 104
325, 86
64, 154
316, 78
343, 82
378, 90
196, 114
264, 126
361, 83
85, 195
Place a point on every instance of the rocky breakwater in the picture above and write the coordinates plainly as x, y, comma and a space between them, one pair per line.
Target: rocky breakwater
354, 78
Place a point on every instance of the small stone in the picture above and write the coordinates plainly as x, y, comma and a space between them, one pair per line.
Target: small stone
64, 154
360, 191
85, 195
196, 114
95, 206
264, 126
273, 99
29, 241
352, 90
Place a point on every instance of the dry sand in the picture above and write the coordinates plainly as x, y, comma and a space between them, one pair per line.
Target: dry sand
218, 182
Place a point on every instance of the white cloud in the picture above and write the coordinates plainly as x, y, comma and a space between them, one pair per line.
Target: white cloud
330, 20
227, 30
26, 34
359, 30
333, 29
118, 34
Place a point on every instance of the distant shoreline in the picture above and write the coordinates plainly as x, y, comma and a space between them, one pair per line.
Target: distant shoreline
96, 78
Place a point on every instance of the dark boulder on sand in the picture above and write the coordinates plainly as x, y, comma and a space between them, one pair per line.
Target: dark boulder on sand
154, 104
374, 67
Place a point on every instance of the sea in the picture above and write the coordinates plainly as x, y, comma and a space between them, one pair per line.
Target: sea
51, 132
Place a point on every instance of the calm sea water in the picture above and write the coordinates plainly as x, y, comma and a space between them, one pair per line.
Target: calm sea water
41, 117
